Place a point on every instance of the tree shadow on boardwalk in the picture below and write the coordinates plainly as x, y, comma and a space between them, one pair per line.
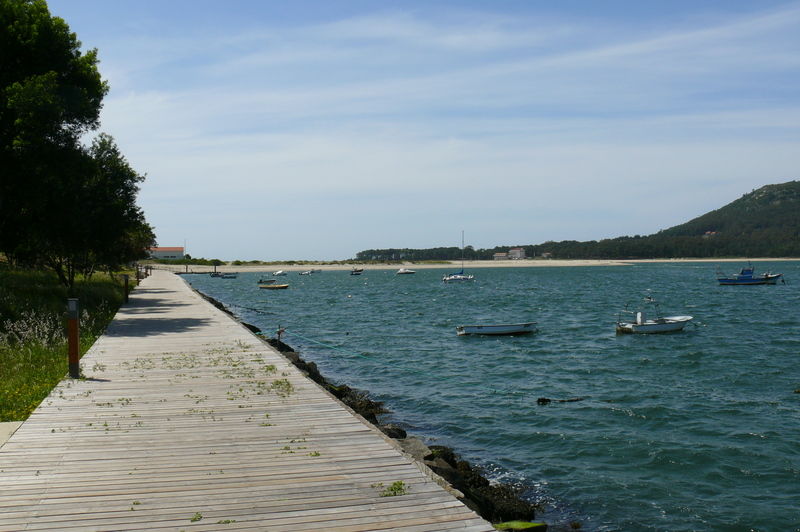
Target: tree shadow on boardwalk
154, 326
150, 303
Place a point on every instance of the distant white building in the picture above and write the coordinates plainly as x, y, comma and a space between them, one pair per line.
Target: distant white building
516, 253
166, 253
500, 256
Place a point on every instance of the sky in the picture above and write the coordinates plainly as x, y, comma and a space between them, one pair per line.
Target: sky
312, 130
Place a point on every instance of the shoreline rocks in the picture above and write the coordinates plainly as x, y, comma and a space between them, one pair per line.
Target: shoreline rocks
494, 502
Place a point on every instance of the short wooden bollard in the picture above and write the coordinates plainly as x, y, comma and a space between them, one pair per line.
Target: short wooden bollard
73, 338
125, 276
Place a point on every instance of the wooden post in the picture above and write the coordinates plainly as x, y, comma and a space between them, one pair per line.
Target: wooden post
125, 276
73, 338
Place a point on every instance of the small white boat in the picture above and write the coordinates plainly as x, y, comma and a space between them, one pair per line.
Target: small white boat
307, 272
404, 271
279, 273
499, 329
273, 286
660, 324
657, 325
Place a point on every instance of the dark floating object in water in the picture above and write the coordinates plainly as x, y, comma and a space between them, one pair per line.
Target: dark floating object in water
546, 401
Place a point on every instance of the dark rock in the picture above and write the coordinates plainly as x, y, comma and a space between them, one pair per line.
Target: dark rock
494, 502
252, 328
292, 356
279, 345
414, 447
393, 431
543, 401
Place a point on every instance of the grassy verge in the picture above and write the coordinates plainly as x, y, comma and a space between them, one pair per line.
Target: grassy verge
33, 345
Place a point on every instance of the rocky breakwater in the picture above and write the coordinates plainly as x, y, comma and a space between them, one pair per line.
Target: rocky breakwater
495, 502
492, 501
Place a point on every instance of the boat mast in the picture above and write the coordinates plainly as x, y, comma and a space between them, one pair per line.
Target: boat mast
462, 251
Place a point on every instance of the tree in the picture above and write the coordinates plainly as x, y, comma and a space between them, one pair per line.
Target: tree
100, 225
50, 95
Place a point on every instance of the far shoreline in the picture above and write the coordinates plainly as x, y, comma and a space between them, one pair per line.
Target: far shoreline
469, 264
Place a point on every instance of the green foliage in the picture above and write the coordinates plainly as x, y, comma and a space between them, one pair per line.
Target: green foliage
33, 350
763, 223
395, 489
62, 205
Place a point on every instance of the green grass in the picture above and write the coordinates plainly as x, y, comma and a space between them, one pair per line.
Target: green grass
33, 346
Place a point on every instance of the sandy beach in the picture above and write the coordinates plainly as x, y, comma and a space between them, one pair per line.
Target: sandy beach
473, 264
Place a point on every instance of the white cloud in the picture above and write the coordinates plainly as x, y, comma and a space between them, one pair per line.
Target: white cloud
529, 128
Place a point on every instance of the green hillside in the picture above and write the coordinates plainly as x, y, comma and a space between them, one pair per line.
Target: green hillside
769, 207
762, 223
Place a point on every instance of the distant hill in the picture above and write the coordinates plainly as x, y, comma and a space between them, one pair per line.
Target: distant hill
762, 223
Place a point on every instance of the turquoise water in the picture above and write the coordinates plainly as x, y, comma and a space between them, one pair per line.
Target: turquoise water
698, 430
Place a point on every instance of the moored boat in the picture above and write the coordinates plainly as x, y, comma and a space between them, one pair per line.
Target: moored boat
660, 324
231, 275
404, 271
356, 271
267, 281
498, 329
747, 276
279, 273
273, 286
457, 276
460, 275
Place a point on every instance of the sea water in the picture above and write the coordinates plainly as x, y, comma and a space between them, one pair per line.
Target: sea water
696, 430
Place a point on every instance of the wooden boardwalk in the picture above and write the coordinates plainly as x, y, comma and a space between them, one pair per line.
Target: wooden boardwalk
186, 421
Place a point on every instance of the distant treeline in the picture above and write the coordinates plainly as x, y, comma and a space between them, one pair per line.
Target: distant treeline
762, 223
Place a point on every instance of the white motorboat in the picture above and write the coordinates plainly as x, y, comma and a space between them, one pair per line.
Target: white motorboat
657, 325
499, 329
279, 273
660, 324
404, 271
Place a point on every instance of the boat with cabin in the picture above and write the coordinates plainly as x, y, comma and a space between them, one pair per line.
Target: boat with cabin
640, 324
405, 271
747, 276
356, 271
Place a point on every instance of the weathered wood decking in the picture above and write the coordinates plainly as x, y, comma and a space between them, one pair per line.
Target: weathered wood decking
188, 421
